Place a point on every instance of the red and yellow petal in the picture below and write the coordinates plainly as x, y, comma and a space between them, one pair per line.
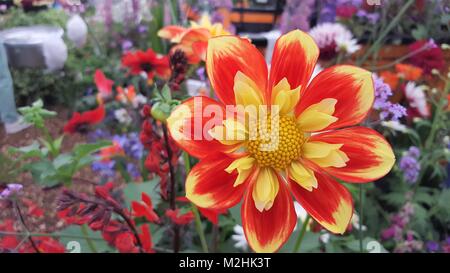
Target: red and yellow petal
350, 86
208, 185
225, 56
370, 155
330, 204
268, 230
294, 58
172, 33
190, 124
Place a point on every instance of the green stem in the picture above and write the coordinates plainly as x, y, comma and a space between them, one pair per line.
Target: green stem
90, 243
385, 32
198, 220
361, 248
173, 11
301, 234
199, 228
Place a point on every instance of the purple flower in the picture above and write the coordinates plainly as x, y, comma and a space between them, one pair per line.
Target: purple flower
127, 45
106, 169
133, 170
131, 144
432, 246
410, 165
10, 190
296, 15
142, 29
370, 17
388, 111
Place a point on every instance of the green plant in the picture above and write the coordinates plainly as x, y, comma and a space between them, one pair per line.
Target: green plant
44, 158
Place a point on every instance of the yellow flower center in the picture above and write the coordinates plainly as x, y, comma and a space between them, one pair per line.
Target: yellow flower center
276, 143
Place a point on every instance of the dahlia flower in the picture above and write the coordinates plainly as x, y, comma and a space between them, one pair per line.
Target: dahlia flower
193, 40
299, 147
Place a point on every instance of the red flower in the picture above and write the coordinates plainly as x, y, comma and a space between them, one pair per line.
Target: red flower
211, 214
49, 245
429, 59
125, 243
80, 121
316, 144
183, 219
145, 209
104, 85
146, 239
148, 62
346, 11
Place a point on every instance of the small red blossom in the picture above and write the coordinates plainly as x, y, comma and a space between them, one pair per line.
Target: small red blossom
178, 219
148, 62
211, 214
80, 121
146, 239
125, 243
48, 245
429, 59
145, 209
346, 11
104, 85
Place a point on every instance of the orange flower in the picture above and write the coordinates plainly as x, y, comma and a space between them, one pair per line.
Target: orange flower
126, 95
107, 153
409, 72
193, 40
301, 150
390, 78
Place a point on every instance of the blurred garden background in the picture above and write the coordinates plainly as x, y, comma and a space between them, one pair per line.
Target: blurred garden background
87, 164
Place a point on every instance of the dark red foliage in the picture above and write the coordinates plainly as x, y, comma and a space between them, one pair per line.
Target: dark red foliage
157, 158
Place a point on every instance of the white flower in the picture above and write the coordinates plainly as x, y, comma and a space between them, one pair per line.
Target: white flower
355, 222
348, 46
239, 238
139, 100
395, 125
325, 237
317, 69
77, 30
301, 214
417, 99
122, 116
335, 35
55, 53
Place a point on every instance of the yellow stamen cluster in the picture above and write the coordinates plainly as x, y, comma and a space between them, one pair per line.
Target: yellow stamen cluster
277, 142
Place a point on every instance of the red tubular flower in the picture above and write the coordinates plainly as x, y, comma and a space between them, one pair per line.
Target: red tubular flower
178, 219
314, 144
429, 59
146, 239
80, 121
145, 209
211, 214
104, 85
148, 62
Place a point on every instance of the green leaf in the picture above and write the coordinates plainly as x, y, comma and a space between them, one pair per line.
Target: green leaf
62, 160
166, 93
58, 143
133, 192
75, 234
83, 150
